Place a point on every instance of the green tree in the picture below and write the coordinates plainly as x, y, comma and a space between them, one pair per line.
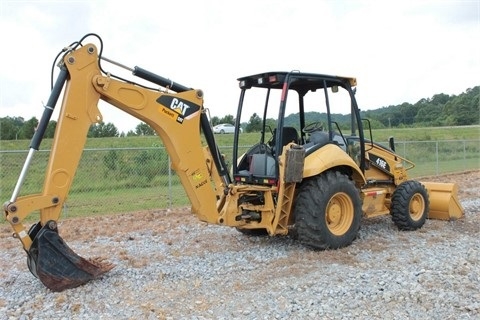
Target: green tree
52, 125
28, 129
440, 99
8, 128
227, 119
144, 129
131, 133
254, 124
407, 113
428, 114
215, 120
459, 111
102, 130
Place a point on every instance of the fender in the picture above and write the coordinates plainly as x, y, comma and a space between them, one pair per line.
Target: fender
327, 157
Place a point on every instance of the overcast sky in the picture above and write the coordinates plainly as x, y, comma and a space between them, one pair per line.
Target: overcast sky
399, 51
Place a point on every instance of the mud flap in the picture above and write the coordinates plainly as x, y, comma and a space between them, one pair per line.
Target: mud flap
444, 203
57, 266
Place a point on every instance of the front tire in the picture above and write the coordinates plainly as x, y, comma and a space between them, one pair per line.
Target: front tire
328, 211
410, 205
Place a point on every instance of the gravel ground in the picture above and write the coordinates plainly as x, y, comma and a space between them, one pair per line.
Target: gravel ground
171, 266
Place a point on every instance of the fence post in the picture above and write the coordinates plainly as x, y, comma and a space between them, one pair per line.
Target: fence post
436, 156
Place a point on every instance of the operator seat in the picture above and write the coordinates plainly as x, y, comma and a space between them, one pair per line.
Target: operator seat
264, 164
290, 134
317, 140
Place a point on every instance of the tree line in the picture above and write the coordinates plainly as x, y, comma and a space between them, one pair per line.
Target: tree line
17, 128
439, 110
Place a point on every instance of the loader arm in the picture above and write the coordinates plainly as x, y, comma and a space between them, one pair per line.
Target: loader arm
177, 119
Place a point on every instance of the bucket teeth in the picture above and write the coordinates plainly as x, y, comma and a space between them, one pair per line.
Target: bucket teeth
58, 267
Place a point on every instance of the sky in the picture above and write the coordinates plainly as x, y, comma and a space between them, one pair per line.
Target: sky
399, 51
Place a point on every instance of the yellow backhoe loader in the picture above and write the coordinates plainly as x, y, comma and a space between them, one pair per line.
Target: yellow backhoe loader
314, 178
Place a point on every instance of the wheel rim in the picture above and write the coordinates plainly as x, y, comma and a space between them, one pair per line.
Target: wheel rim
339, 213
416, 206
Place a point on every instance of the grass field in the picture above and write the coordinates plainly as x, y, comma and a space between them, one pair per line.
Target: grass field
380, 135
428, 134
126, 186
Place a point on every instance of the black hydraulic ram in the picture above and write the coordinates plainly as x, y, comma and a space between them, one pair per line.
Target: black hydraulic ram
204, 123
42, 126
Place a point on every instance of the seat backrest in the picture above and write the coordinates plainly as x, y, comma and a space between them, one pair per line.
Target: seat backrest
317, 140
262, 165
290, 134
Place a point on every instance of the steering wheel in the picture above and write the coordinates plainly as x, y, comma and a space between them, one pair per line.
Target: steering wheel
312, 127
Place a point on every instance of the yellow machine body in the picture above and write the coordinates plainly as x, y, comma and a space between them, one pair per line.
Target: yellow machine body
319, 188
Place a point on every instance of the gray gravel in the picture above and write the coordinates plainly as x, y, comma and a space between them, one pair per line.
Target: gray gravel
199, 271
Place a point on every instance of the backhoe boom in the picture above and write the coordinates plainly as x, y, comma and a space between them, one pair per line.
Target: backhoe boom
173, 116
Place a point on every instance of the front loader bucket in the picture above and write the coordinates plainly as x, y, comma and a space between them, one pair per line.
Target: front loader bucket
57, 266
444, 203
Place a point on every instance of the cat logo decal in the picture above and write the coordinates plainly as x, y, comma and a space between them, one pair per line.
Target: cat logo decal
176, 108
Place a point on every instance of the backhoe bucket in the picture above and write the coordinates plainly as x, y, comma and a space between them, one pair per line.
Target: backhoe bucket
57, 266
444, 203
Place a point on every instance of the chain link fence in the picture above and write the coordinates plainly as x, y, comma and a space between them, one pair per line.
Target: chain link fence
115, 180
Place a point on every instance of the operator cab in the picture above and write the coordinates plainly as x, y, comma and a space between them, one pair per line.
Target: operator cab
310, 110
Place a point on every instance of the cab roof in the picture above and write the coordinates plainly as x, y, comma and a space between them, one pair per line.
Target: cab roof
298, 80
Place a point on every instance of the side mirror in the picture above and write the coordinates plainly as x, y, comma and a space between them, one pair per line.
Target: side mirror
391, 143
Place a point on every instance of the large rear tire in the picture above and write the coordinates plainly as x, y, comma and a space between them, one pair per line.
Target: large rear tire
410, 205
328, 211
